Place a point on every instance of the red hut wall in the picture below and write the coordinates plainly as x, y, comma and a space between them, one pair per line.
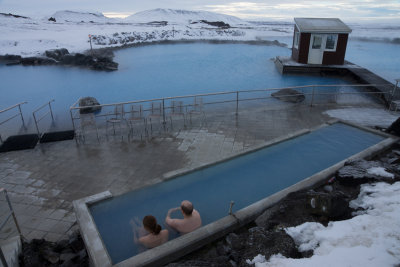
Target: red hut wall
336, 57
300, 54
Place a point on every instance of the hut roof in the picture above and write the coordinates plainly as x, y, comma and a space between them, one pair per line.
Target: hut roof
321, 25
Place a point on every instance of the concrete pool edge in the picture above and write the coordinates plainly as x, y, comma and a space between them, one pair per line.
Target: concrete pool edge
98, 254
183, 245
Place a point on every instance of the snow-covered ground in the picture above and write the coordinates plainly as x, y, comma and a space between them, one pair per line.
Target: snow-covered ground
365, 116
31, 37
371, 238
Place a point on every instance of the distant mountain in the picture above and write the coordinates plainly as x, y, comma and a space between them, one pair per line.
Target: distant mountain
182, 16
80, 16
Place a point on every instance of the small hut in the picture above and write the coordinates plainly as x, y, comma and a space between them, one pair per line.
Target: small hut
320, 41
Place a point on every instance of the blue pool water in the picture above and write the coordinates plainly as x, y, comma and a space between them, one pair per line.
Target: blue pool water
151, 71
379, 57
163, 70
244, 180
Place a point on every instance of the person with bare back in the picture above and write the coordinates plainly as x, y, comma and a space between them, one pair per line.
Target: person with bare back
150, 235
191, 218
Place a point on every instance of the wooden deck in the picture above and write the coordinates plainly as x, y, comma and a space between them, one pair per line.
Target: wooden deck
287, 65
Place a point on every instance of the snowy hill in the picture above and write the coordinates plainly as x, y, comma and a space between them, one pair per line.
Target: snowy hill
182, 16
79, 16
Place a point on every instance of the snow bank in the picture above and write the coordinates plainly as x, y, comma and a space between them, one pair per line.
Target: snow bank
369, 239
32, 37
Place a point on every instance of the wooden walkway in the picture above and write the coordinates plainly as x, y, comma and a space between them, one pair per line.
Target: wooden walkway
286, 65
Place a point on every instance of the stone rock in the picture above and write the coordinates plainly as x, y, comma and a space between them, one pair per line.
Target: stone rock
332, 205
267, 243
104, 63
222, 249
214, 262
289, 95
33, 61
30, 255
77, 59
52, 19
76, 243
291, 211
219, 24
394, 128
87, 102
96, 63
356, 173
234, 241
62, 246
266, 216
56, 54
328, 188
10, 60
10, 57
67, 256
51, 256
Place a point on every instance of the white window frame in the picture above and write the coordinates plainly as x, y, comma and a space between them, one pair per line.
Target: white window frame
334, 46
296, 39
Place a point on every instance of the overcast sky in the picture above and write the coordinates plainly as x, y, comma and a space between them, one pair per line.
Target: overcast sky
255, 9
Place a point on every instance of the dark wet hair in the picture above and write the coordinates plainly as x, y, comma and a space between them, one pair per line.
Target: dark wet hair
150, 222
187, 209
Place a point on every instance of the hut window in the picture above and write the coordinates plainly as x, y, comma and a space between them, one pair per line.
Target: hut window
317, 41
296, 39
331, 41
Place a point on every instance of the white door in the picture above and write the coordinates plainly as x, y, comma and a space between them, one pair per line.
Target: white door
316, 51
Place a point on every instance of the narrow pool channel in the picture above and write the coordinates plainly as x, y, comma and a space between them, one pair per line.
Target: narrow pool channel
245, 180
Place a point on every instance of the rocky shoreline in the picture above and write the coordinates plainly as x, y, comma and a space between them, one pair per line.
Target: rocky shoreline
265, 236
101, 59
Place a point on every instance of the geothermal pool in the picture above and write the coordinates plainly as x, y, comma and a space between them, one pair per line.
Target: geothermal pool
245, 180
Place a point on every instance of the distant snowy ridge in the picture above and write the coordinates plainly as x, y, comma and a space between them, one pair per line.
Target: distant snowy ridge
182, 16
80, 16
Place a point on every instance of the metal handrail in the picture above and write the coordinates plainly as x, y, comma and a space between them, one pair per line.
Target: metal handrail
237, 96
19, 104
2, 258
12, 117
225, 93
44, 115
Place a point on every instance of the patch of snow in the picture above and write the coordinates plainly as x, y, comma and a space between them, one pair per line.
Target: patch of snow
182, 16
379, 171
364, 116
257, 259
80, 16
369, 239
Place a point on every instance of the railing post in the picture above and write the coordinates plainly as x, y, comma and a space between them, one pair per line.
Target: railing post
312, 97
163, 111
394, 92
13, 214
230, 207
51, 111
20, 112
36, 124
72, 119
237, 103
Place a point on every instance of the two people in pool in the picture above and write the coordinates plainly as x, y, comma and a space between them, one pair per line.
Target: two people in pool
151, 235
